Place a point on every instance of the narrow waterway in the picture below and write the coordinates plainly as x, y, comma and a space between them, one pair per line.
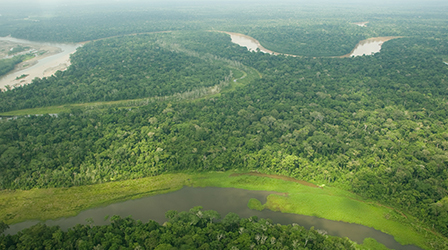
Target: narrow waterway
222, 200
57, 57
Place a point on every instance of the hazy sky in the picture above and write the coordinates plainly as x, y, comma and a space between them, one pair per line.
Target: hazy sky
362, 2
49, 5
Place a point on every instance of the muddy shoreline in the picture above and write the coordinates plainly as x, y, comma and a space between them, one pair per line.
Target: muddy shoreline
379, 40
48, 59
262, 49
361, 24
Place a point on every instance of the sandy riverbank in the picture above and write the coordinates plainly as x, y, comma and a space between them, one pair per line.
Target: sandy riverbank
234, 36
361, 24
378, 41
49, 58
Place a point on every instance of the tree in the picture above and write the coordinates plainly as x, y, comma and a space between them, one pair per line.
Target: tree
3, 227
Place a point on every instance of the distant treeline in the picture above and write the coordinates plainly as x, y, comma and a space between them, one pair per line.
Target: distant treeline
6, 65
375, 125
119, 69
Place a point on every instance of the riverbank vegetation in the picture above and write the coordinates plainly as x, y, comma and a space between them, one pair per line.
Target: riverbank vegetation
195, 229
373, 125
330, 203
17, 49
123, 68
6, 65
53, 203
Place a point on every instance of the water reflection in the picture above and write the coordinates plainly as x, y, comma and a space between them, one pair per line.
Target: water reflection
222, 200
249, 42
244, 42
367, 47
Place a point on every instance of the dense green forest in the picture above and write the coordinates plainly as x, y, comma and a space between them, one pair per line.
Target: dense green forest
117, 69
375, 125
328, 39
369, 124
6, 65
195, 229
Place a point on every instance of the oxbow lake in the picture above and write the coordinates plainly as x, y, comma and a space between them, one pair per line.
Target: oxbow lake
222, 200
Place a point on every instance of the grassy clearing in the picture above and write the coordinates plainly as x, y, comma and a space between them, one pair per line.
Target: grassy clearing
69, 107
251, 74
329, 203
341, 208
44, 204
371, 244
255, 204
37, 111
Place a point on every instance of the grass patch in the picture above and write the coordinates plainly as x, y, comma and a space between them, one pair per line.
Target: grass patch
329, 203
68, 107
340, 208
255, 204
38, 111
251, 74
371, 244
44, 204
22, 76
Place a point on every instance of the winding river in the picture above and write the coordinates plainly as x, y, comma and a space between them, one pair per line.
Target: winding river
222, 200
365, 47
56, 57
369, 46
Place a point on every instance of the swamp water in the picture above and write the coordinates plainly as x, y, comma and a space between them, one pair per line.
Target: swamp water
222, 200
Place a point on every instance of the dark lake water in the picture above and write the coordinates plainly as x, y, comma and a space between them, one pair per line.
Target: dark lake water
222, 200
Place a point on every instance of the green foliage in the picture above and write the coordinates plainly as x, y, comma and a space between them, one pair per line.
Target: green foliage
6, 65
17, 49
82, 26
329, 202
328, 39
369, 124
255, 204
374, 125
119, 69
22, 76
186, 230
371, 244
3, 227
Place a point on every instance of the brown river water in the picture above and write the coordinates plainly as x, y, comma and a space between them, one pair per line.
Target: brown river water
222, 200
57, 57
365, 47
